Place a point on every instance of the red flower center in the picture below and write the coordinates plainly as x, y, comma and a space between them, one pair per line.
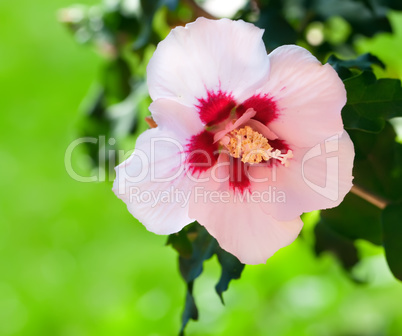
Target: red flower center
246, 144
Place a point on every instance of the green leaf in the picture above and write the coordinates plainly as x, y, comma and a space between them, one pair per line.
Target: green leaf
363, 62
190, 311
361, 17
378, 171
371, 102
181, 243
171, 4
123, 116
392, 237
149, 9
95, 123
117, 81
231, 269
277, 30
368, 4
195, 239
144, 35
380, 4
345, 68
393, 4
195, 245
354, 219
378, 162
343, 248
203, 248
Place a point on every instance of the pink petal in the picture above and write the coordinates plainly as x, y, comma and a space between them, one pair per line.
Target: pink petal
261, 128
208, 56
181, 120
153, 183
241, 228
230, 126
317, 178
309, 97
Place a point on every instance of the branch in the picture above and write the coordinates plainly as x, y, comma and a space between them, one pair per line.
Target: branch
376, 200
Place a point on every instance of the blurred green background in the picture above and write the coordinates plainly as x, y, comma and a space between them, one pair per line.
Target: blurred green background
74, 262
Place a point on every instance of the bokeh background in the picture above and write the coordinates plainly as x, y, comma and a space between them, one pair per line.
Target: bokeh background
73, 261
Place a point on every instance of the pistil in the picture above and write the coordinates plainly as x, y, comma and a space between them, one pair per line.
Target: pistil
252, 147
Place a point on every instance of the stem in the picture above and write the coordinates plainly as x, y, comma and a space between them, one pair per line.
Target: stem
376, 200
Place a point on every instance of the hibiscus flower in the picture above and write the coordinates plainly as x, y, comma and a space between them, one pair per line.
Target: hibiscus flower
245, 142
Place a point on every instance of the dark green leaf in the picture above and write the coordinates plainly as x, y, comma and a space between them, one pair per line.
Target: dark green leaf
124, 115
94, 104
360, 16
190, 309
112, 18
378, 171
203, 246
144, 34
277, 29
149, 8
392, 4
392, 237
129, 24
368, 4
378, 162
343, 72
354, 219
195, 245
371, 102
181, 243
327, 239
231, 269
362, 63
116, 80
171, 4
95, 124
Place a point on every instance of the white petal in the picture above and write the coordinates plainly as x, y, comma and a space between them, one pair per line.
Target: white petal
208, 55
308, 95
153, 184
